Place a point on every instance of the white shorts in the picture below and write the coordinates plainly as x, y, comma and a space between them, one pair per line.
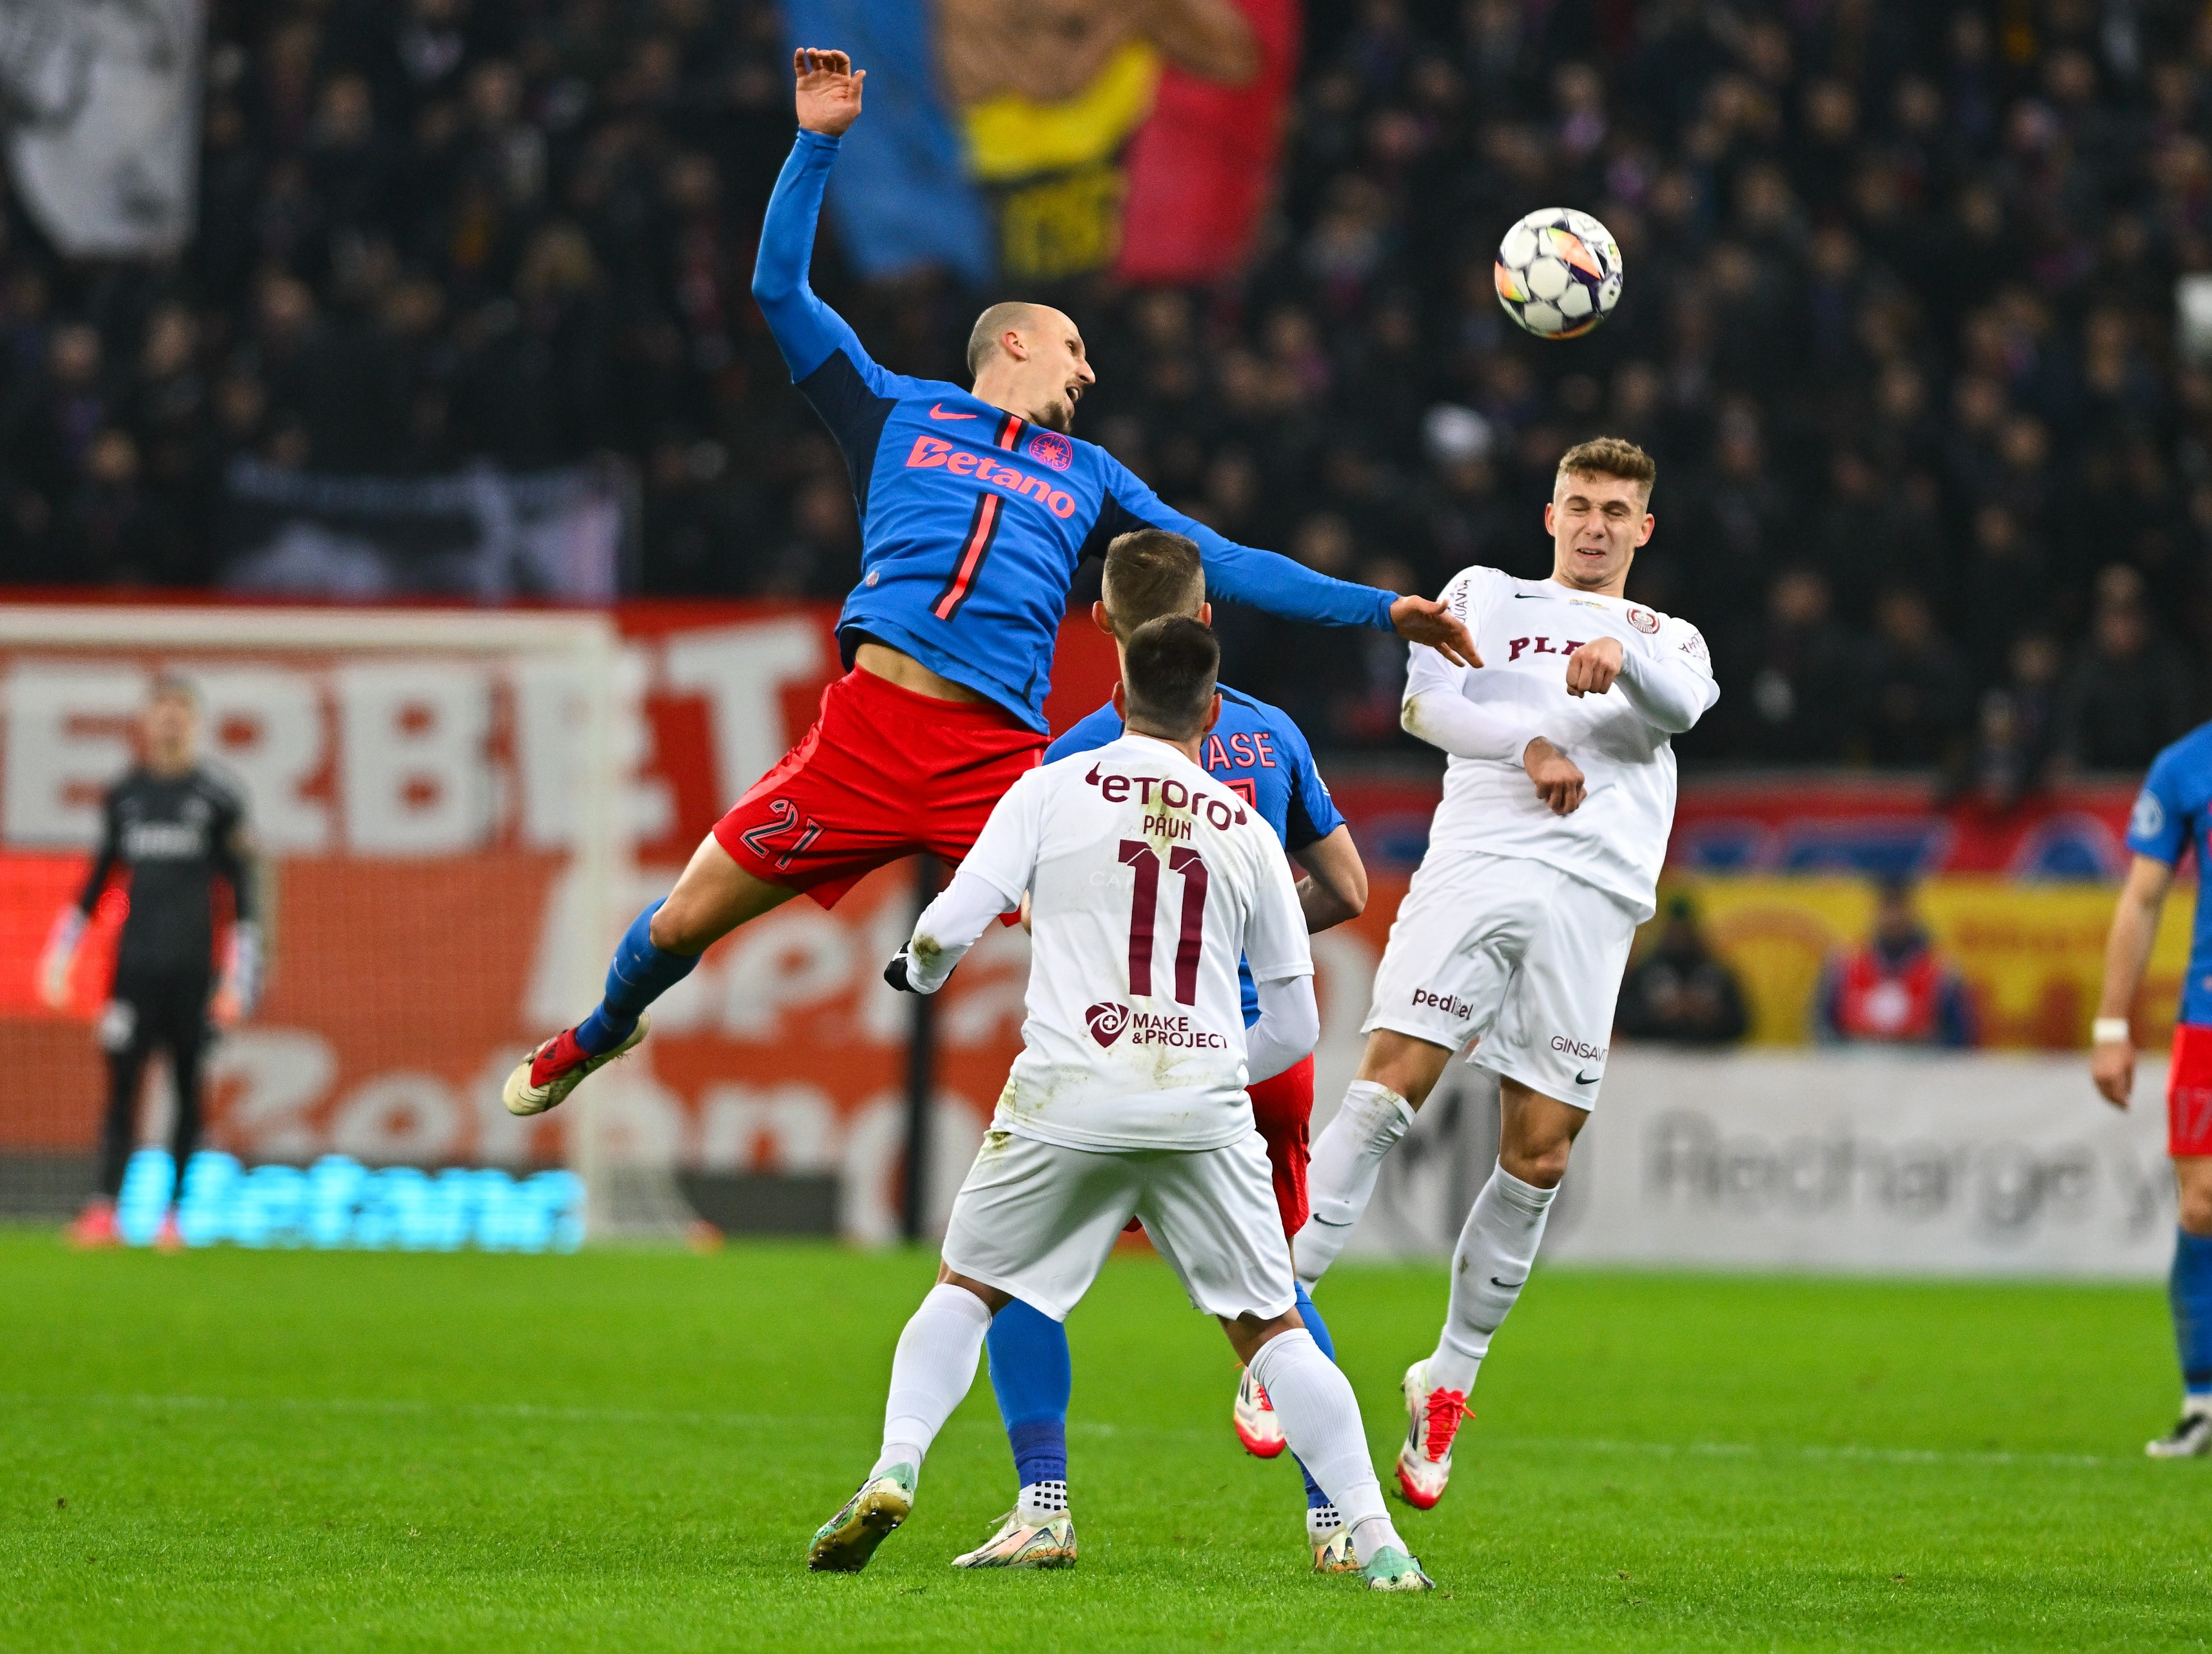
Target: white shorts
1039, 1219
1516, 954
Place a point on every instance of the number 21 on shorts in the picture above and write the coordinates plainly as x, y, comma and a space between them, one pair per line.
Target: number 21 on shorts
755, 839
1144, 908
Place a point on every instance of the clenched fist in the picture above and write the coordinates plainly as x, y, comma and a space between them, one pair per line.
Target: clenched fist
1592, 668
1558, 778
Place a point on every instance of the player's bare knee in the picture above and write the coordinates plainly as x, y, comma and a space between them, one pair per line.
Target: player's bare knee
1249, 1333
676, 928
2193, 1185
1408, 1066
1540, 1166
994, 1300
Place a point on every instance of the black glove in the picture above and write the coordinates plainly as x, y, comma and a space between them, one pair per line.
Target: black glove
895, 973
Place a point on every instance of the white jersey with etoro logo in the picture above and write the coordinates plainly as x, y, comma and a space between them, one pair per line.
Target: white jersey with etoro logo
1524, 630
1148, 880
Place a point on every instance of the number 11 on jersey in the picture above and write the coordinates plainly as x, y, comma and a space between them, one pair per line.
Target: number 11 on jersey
1143, 906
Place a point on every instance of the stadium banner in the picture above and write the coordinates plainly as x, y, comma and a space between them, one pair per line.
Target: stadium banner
1866, 1163
2031, 955
1899, 825
1038, 144
426, 927
482, 535
102, 100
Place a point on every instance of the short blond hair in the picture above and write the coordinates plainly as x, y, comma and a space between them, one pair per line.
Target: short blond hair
1150, 572
1611, 456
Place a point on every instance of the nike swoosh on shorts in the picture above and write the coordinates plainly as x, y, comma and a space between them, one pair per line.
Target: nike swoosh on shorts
1588, 1079
937, 411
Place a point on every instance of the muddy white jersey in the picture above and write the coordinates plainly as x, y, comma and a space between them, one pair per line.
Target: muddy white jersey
1524, 630
1147, 880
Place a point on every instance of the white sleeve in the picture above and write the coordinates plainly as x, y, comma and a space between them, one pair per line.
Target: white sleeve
1289, 1027
948, 928
1669, 680
992, 880
1446, 718
1276, 945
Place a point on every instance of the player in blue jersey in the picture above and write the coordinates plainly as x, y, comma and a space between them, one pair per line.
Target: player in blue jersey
976, 506
1259, 754
2173, 812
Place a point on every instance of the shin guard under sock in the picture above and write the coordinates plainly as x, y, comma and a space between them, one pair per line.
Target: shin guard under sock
640, 974
1033, 1379
1490, 1265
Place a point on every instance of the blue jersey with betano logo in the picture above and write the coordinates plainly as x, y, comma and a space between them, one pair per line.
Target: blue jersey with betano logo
972, 520
1260, 755
2174, 811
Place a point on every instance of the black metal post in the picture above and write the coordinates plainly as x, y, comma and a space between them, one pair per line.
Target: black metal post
920, 1071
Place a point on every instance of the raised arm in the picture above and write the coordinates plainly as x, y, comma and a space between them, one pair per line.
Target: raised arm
806, 330
1267, 581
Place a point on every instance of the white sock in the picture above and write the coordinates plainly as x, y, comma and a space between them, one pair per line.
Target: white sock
1320, 1419
1321, 1521
2194, 1406
933, 1369
1041, 1501
1347, 1157
1496, 1244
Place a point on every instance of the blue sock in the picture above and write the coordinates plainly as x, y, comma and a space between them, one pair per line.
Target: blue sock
640, 974
1315, 1498
1033, 1379
2189, 1288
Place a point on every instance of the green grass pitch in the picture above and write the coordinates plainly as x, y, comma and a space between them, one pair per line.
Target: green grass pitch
630, 1450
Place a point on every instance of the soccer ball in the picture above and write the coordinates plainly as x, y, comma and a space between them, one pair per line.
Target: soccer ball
1558, 273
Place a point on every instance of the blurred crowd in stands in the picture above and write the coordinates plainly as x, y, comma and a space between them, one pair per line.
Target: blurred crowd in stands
1936, 474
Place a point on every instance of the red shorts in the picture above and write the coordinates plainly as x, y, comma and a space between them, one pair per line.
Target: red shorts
2189, 1093
1282, 1108
883, 773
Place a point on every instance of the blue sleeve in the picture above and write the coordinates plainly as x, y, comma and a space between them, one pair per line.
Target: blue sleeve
808, 331
1313, 814
2159, 824
1240, 573
1087, 735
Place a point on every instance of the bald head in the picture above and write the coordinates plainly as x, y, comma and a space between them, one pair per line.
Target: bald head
984, 340
1028, 359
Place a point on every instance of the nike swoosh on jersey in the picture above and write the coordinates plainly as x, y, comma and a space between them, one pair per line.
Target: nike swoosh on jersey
1589, 1079
937, 411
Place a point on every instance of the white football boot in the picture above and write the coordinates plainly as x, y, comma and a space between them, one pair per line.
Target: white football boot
1330, 1540
1433, 1419
1022, 1543
2192, 1439
543, 1079
1254, 1415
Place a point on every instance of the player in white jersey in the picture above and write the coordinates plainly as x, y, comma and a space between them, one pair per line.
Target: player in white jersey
1146, 879
1517, 925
